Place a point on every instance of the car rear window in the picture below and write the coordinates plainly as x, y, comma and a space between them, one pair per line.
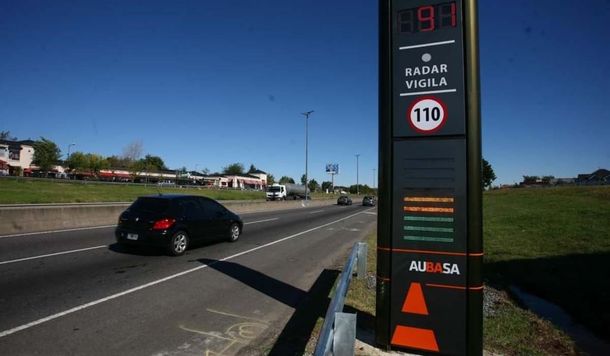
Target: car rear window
153, 205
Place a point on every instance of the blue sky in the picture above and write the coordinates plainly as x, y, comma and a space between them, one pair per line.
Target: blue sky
206, 84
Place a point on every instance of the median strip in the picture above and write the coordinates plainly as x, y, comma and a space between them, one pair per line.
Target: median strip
173, 276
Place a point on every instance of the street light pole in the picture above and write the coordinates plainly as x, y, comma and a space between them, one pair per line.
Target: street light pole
374, 177
306, 114
70, 145
357, 183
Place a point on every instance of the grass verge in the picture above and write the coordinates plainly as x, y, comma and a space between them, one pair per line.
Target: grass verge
37, 191
553, 243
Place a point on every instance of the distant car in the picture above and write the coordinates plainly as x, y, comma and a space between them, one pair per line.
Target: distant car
174, 222
344, 200
368, 201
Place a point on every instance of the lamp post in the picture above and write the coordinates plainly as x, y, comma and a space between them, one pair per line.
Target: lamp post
357, 183
374, 177
306, 114
70, 145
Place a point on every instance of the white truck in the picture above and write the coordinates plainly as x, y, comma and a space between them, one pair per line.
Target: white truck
286, 191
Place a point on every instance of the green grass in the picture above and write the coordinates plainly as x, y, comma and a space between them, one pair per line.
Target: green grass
554, 243
514, 331
31, 191
27, 191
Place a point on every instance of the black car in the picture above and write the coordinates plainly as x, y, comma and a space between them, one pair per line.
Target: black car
344, 200
368, 201
175, 221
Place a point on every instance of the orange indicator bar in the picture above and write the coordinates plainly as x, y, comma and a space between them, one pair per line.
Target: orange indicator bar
430, 199
426, 209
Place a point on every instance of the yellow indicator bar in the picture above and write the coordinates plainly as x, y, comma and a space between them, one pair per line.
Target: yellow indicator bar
430, 199
426, 209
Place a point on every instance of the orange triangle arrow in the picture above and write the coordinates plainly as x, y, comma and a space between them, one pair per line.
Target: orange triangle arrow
415, 302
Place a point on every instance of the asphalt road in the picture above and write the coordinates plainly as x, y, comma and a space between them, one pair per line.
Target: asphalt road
78, 293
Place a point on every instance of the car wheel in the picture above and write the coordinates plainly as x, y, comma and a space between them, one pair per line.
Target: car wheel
234, 232
178, 244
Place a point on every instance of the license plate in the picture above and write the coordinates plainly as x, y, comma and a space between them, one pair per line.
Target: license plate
132, 236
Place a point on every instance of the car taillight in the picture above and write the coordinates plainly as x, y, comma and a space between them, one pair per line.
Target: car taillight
163, 224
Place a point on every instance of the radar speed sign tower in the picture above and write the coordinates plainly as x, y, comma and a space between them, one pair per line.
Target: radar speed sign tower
429, 287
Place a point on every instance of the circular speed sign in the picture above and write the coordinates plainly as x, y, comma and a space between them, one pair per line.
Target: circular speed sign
427, 115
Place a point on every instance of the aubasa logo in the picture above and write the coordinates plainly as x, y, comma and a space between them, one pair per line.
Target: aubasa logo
434, 267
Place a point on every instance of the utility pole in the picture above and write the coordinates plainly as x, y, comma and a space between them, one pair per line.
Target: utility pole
374, 177
357, 183
70, 145
306, 114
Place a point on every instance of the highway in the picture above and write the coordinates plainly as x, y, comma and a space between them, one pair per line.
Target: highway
78, 293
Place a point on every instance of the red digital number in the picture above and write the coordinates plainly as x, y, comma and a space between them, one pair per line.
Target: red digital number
425, 17
447, 15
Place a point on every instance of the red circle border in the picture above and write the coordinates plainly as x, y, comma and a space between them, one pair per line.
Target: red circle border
436, 128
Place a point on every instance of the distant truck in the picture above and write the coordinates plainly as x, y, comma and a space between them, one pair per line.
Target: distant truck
286, 191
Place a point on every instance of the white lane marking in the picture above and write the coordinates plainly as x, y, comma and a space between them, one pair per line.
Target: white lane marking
52, 254
371, 213
427, 44
317, 211
56, 231
158, 281
260, 221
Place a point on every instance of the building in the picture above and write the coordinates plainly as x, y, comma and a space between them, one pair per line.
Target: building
599, 177
260, 175
235, 181
16, 156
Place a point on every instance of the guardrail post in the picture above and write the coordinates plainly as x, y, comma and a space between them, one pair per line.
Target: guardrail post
344, 337
338, 334
362, 254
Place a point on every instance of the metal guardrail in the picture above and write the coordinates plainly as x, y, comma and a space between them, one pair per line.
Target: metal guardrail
338, 334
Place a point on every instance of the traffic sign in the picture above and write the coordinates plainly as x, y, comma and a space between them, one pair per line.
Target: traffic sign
427, 114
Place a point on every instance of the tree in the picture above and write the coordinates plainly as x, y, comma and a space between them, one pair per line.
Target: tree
530, 179
89, 162
118, 162
303, 179
96, 163
6, 135
133, 151
363, 189
46, 154
252, 169
77, 161
327, 185
153, 163
313, 185
270, 179
488, 175
233, 169
286, 179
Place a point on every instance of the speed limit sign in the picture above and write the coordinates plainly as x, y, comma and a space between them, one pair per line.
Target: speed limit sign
427, 114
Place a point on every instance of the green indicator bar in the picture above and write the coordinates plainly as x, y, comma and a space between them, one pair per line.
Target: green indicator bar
427, 218
433, 229
428, 238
